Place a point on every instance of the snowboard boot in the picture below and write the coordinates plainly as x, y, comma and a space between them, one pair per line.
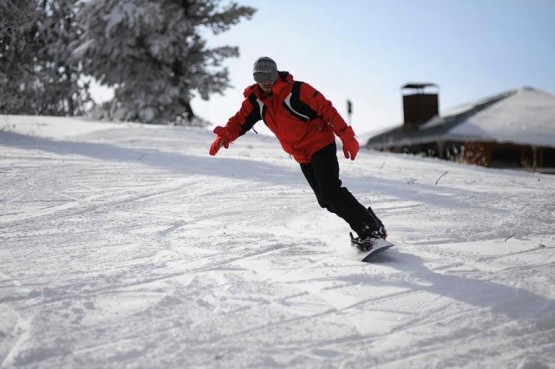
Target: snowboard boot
363, 243
369, 234
377, 229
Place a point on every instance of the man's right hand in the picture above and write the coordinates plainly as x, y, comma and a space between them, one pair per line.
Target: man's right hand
221, 140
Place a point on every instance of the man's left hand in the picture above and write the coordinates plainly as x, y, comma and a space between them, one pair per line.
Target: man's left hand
350, 148
350, 143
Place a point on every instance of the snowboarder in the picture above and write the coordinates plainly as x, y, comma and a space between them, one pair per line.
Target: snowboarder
304, 122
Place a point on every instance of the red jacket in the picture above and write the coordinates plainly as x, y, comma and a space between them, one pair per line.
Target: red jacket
302, 119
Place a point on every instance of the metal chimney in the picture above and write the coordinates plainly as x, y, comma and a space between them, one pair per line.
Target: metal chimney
419, 104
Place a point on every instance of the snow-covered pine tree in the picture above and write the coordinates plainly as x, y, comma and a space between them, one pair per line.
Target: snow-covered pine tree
37, 73
18, 47
60, 72
154, 55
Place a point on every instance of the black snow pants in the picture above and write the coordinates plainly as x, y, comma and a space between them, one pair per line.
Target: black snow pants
322, 174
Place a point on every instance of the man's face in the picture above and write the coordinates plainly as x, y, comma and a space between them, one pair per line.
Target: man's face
266, 86
265, 80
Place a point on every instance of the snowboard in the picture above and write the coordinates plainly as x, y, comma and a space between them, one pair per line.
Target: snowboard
378, 247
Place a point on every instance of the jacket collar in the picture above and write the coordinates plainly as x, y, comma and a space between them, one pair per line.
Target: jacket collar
282, 86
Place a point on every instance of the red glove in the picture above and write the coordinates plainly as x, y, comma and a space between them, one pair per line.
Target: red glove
350, 143
221, 140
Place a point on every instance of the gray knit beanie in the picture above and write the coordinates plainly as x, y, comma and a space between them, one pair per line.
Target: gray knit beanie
264, 65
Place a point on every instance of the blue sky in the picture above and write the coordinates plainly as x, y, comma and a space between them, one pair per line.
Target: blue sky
365, 50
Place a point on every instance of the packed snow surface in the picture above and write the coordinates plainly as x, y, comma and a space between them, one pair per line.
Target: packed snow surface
129, 246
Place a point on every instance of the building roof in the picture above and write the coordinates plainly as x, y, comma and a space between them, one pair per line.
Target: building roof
521, 116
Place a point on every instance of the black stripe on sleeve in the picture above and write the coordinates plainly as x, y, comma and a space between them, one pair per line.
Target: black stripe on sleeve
253, 117
298, 105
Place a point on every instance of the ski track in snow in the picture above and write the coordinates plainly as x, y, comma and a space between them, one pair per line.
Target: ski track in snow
128, 246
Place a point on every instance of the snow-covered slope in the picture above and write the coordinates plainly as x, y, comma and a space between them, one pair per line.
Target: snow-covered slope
128, 246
